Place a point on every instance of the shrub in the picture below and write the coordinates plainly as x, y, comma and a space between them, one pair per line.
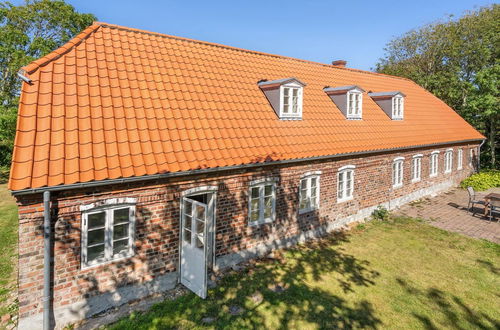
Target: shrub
483, 180
380, 213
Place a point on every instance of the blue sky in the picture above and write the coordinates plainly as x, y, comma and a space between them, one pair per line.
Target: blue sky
322, 31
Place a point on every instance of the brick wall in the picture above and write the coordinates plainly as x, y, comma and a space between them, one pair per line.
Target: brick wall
157, 220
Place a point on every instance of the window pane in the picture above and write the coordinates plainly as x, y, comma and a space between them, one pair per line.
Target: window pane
255, 192
295, 92
187, 236
121, 215
188, 207
254, 205
268, 190
285, 108
97, 220
313, 192
303, 184
95, 252
120, 231
313, 182
200, 227
120, 246
268, 207
199, 241
200, 212
254, 216
286, 91
187, 222
95, 237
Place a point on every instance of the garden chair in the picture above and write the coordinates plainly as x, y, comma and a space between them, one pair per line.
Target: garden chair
494, 206
473, 199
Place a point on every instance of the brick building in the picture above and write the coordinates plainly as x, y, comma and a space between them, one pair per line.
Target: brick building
162, 159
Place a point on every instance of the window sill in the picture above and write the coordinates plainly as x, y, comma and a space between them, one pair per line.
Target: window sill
260, 222
344, 200
308, 210
354, 118
433, 175
105, 262
460, 168
415, 180
397, 186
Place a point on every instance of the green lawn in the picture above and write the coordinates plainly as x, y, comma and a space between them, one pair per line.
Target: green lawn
396, 274
8, 243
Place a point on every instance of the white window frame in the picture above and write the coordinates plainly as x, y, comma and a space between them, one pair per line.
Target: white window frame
471, 156
291, 88
397, 172
357, 112
398, 107
342, 185
308, 178
416, 168
261, 183
434, 164
448, 161
460, 159
108, 207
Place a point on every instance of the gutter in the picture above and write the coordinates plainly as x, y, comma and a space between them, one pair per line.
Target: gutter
219, 169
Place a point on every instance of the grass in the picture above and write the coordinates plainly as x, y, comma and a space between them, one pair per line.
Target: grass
399, 274
8, 246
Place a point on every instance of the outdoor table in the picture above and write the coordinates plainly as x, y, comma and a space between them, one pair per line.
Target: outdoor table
487, 199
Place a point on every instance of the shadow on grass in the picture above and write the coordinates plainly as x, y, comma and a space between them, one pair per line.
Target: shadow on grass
456, 314
275, 293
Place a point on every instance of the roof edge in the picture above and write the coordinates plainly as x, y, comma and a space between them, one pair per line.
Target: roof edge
220, 169
55, 54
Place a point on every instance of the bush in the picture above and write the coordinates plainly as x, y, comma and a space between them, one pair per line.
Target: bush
380, 213
483, 180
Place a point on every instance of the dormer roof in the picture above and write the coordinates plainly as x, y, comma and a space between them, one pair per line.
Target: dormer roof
386, 94
279, 82
342, 89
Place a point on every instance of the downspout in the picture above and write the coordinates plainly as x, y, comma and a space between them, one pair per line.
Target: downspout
46, 260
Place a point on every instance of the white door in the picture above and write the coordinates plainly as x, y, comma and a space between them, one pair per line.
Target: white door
194, 233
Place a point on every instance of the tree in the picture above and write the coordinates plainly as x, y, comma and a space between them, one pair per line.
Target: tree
458, 61
28, 32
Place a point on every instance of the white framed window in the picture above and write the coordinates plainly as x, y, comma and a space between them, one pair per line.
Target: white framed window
262, 202
434, 163
471, 156
309, 192
107, 233
460, 159
448, 160
397, 172
345, 183
416, 168
354, 105
397, 107
291, 101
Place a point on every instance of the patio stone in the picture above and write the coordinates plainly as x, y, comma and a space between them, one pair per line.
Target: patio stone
448, 211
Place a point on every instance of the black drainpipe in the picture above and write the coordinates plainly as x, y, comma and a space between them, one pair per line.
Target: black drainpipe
46, 260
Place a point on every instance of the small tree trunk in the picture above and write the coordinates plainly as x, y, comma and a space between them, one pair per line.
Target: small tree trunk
492, 141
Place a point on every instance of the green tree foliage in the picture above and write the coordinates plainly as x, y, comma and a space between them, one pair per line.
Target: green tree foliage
28, 32
459, 61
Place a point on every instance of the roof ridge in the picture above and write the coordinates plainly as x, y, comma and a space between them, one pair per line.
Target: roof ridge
109, 25
55, 54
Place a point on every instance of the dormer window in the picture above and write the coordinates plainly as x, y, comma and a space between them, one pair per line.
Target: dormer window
355, 100
285, 96
391, 102
292, 105
397, 107
349, 100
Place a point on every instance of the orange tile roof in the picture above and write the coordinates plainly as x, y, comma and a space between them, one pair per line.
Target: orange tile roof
117, 102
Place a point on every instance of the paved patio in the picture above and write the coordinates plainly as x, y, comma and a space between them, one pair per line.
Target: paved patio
448, 211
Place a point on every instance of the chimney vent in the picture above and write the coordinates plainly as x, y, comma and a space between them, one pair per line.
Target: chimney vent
339, 63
